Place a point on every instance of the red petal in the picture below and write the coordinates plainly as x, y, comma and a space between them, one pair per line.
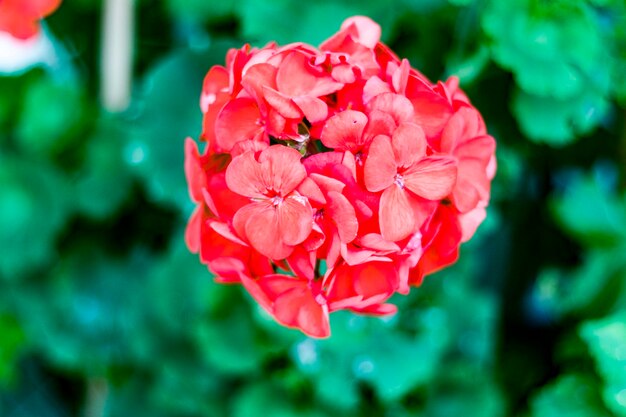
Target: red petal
193, 231
327, 183
480, 148
380, 123
264, 233
215, 81
343, 74
431, 112
196, 178
319, 162
353, 255
295, 219
302, 263
258, 76
255, 290
344, 216
409, 144
283, 104
226, 232
363, 29
443, 247
400, 77
432, 177
465, 196
275, 123
373, 87
221, 200
396, 217
344, 130
470, 222
380, 165
296, 78
465, 124
208, 200
399, 107
311, 190
378, 243
375, 278
281, 169
298, 308
314, 109
293, 304
241, 218
379, 309
364, 284
245, 177
227, 270
239, 120
208, 121
244, 146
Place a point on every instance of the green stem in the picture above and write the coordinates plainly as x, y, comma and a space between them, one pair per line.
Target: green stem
97, 393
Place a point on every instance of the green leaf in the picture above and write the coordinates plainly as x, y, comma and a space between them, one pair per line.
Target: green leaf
217, 340
591, 288
295, 21
51, 115
184, 387
558, 123
34, 206
89, 313
557, 52
551, 48
36, 394
98, 192
169, 111
262, 399
11, 345
463, 388
468, 68
571, 395
606, 339
200, 10
590, 212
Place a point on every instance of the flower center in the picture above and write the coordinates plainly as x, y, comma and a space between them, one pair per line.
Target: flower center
359, 158
399, 181
276, 200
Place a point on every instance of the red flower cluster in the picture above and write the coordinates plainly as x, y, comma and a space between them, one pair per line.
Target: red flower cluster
21, 18
333, 177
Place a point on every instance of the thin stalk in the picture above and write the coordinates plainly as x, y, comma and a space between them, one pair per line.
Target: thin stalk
117, 51
97, 393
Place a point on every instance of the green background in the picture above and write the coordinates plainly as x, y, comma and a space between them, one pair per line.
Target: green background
103, 312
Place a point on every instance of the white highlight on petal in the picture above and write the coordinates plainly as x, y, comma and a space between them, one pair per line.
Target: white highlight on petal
17, 55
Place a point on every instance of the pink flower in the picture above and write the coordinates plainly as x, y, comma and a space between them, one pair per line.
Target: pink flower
400, 168
278, 218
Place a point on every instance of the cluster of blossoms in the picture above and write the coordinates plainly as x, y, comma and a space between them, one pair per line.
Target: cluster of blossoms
333, 178
20, 18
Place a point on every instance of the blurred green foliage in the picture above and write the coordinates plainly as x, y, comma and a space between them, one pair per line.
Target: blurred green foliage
103, 312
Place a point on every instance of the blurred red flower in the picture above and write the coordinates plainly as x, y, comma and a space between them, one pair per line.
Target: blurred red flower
20, 18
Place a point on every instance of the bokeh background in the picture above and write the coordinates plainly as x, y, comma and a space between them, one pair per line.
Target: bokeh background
103, 312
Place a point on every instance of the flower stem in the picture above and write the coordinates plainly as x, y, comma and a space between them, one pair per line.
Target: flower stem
116, 58
97, 393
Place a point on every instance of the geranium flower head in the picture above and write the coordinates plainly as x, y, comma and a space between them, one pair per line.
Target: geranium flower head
342, 156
